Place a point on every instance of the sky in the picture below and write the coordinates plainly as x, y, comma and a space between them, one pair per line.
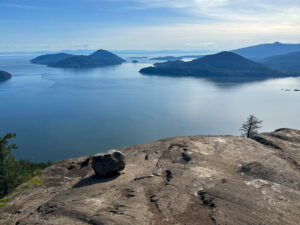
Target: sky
207, 25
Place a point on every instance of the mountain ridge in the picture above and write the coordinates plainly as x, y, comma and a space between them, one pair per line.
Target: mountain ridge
266, 50
287, 62
48, 59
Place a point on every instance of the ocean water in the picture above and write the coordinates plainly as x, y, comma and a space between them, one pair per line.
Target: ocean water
62, 113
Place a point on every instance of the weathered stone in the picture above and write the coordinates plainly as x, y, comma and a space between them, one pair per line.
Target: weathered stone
257, 170
230, 180
106, 165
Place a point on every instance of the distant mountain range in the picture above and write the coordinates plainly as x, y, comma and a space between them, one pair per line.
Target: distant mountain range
289, 62
99, 58
267, 50
221, 67
4, 76
119, 52
75, 52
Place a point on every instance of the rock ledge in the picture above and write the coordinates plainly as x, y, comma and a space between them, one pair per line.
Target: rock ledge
184, 180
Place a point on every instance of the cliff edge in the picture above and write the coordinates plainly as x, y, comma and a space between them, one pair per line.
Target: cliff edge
183, 180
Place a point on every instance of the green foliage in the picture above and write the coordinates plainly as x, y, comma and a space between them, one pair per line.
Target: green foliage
7, 162
3, 202
14, 172
36, 180
3, 199
72, 167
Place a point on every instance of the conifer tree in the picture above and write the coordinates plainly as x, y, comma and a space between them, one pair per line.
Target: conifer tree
7, 163
250, 128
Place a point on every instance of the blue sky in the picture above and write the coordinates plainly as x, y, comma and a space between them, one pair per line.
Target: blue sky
27, 25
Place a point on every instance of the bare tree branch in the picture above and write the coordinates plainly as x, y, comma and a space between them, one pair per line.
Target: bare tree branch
250, 128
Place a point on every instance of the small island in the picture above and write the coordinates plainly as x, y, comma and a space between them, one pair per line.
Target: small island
139, 57
221, 67
173, 58
100, 58
4, 76
168, 58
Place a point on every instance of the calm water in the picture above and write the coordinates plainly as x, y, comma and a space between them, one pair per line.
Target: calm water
60, 113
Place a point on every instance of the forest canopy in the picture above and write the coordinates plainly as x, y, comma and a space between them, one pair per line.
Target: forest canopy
14, 172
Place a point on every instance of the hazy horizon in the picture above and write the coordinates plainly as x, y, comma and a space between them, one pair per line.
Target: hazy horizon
52, 25
134, 51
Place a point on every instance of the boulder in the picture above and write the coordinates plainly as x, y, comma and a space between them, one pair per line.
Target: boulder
106, 165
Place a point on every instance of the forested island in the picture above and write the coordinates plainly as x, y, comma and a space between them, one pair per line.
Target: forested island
4, 76
220, 67
100, 58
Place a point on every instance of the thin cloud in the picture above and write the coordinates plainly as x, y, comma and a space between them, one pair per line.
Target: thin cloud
225, 36
283, 11
16, 6
80, 45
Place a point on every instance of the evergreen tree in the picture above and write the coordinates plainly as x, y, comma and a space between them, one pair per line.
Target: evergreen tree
250, 127
7, 164
14, 172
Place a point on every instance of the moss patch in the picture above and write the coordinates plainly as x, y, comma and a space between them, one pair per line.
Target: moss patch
3, 202
32, 183
35, 180
38, 172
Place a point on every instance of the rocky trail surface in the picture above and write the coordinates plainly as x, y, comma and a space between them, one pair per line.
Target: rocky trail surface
184, 180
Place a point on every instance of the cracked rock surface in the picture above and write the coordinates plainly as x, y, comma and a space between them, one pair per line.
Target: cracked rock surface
184, 180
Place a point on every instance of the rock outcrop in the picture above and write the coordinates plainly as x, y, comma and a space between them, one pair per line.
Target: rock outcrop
185, 180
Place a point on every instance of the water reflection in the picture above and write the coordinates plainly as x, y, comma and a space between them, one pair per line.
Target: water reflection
61, 113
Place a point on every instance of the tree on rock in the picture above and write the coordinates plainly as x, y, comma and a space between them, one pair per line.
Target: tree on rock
7, 163
250, 127
15, 172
